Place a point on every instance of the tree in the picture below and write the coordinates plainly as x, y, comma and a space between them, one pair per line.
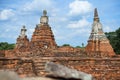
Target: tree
66, 45
6, 46
117, 45
114, 38
111, 36
78, 47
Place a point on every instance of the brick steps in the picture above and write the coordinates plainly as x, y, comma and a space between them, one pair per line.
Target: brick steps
39, 65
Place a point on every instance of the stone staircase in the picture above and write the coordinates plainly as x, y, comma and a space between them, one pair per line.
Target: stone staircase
39, 65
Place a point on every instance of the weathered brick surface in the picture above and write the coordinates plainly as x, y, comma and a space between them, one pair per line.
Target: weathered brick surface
21, 44
44, 34
98, 41
101, 69
100, 46
2, 53
22, 67
29, 57
68, 49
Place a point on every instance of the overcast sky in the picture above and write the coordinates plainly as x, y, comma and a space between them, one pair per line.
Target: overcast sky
70, 19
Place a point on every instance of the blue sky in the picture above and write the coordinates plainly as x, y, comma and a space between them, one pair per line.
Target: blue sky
70, 19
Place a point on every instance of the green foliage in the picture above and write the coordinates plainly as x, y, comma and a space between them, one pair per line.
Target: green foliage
6, 46
78, 47
66, 45
117, 45
118, 33
114, 38
82, 46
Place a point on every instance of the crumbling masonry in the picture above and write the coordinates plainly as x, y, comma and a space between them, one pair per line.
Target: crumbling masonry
29, 56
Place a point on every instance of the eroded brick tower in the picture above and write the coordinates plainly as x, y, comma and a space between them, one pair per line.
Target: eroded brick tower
22, 41
98, 41
43, 35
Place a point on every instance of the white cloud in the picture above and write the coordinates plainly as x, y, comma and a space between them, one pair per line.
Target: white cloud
80, 7
36, 5
6, 14
57, 17
79, 24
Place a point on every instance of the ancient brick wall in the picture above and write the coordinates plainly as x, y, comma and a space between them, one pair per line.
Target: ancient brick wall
22, 66
9, 53
67, 49
100, 68
2, 53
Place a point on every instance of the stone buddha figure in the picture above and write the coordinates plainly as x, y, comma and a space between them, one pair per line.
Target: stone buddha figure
23, 31
44, 18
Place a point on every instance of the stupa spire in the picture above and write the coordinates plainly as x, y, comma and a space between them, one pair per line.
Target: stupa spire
44, 12
44, 18
98, 41
96, 17
23, 32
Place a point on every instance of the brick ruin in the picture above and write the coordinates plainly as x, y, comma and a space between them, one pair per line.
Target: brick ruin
28, 58
98, 42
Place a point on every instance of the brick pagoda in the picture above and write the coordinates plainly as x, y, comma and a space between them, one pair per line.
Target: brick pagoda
28, 58
98, 42
43, 33
22, 40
